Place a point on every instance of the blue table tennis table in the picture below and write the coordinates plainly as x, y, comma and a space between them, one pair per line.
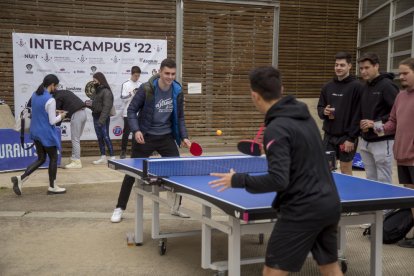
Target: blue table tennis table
363, 201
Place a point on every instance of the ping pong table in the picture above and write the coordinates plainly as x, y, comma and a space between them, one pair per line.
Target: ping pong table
247, 213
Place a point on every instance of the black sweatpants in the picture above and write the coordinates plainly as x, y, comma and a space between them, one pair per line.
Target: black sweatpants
41, 152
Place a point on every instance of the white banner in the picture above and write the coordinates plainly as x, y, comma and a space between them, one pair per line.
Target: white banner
74, 59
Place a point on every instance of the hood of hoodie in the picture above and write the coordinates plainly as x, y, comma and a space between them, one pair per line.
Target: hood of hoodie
382, 76
289, 107
350, 78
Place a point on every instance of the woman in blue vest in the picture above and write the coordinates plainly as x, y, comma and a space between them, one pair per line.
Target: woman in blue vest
43, 133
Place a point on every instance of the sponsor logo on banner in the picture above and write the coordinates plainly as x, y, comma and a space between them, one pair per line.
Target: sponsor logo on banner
96, 60
24, 88
149, 61
63, 59
64, 130
117, 130
44, 70
62, 71
93, 69
115, 59
74, 88
21, 43
82, 59
47, 58
29, 68
79, 72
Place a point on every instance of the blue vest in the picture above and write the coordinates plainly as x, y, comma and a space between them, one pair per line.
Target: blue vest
40, 128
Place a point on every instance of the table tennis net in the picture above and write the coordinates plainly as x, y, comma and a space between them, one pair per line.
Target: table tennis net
190, 166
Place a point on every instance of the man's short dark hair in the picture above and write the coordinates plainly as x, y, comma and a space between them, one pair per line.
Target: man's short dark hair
371, 57
267, 82
168, 62
344, 55
408, 62
135, 70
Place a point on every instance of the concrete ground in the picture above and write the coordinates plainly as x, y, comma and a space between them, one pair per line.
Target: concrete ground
71, 234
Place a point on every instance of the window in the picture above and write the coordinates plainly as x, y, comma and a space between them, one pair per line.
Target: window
391, 44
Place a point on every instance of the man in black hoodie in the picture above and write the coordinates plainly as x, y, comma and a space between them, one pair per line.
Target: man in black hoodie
338, 107
307, 199
377, 100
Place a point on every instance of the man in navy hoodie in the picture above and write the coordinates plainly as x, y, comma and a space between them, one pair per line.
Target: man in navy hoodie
307, 199
338, 107
377, 100
156, 118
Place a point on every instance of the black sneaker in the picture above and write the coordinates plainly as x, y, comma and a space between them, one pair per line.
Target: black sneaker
123, 155
17, 184
407, 243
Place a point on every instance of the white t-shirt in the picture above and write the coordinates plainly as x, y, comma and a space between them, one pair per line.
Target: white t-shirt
127, 93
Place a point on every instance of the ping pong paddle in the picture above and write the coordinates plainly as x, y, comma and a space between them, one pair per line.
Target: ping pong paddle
196, 149
252, 147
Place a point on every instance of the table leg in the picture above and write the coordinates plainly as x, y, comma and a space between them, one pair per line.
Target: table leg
206, 239
139, 219
376, 244
155, 229
234, 247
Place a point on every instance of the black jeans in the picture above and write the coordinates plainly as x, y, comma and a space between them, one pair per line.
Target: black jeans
163, 144
41, 152
125, 135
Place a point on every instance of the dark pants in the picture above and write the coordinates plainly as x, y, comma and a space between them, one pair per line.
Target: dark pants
41, 152
102, 133
125, 135
163, 144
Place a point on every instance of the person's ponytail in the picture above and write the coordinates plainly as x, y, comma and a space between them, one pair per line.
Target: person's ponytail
48, 80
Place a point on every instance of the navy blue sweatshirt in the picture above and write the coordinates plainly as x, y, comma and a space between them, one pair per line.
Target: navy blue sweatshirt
297, 168
377, 100
345, 96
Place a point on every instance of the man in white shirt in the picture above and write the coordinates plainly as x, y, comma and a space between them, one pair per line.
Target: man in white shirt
128, 90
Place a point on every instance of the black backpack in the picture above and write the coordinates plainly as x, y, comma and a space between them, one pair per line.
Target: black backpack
397, 223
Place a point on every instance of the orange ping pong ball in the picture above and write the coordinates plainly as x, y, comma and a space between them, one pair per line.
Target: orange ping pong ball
219, 132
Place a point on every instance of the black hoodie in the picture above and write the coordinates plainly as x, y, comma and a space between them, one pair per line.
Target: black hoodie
377, 100
345, 96
298, 169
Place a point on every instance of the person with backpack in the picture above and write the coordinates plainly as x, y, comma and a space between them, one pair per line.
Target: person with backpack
156, 118
400, 123
43, 133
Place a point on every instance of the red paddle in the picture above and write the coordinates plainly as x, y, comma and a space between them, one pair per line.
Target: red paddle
252, 147
196, 149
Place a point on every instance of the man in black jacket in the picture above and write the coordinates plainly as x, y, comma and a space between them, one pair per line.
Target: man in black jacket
307, 199
66, 100
338, 107
377, 100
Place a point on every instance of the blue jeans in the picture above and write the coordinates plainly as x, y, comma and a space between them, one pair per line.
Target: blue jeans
102, 133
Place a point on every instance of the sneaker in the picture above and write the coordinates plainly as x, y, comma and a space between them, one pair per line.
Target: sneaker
100, 161
365, 225
407, 243
112, 158
123, 155
117, 215
17, 184
74, 164
55, 190
178, 213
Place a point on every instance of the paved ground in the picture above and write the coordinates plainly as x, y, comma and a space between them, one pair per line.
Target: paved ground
71, 234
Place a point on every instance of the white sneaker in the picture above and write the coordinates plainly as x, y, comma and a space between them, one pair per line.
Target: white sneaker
74, 164
17, 184
113, 158
55, 190
178, 213
100, 161
117, 215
